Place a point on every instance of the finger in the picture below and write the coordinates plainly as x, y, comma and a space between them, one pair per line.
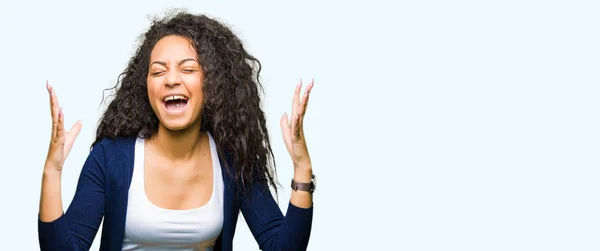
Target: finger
71, 136
296, 98
50, 99
75, 129
305, 98
299, 119
296, 128
60, 128
285, 128
54, 108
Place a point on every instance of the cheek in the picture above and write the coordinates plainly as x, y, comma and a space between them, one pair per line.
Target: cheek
153, 90
195, 83
151, 85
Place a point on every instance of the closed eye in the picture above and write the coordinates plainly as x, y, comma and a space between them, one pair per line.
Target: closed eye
155, 74
189, 70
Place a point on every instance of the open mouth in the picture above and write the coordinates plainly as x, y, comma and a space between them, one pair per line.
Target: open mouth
175, 102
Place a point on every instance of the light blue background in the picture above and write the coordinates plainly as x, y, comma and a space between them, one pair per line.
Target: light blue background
433, 125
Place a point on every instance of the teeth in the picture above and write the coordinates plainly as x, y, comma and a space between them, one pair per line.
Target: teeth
174, 97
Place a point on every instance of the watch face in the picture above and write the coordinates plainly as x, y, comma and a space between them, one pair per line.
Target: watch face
314, 181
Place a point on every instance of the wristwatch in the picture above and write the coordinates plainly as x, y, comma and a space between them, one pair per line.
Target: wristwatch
308, 187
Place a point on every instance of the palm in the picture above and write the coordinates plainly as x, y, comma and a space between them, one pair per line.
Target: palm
292, 129
61, 142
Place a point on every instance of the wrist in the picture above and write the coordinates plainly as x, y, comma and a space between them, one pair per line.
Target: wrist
303, 174
302, 165
52, 173
52, 170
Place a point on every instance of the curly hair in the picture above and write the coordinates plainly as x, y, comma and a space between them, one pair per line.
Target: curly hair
231, 112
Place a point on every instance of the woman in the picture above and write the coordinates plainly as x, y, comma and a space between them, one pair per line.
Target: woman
181, 149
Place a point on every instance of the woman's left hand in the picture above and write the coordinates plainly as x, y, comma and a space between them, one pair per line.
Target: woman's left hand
292, 129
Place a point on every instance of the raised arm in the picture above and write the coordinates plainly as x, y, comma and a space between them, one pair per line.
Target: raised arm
270, 228
75, 229
295, 142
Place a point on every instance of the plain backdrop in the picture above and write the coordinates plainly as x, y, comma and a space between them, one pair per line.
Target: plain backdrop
433, 125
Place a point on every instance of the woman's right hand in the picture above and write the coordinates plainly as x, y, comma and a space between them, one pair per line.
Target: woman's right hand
61, 142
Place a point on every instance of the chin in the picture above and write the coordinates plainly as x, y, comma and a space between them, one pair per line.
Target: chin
177, 125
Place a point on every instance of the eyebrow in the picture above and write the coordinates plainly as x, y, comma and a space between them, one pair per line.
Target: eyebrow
178, 64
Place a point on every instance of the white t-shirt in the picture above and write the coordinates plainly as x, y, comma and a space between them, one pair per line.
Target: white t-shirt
152, 228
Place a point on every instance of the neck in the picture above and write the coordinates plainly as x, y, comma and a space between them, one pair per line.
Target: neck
181, 144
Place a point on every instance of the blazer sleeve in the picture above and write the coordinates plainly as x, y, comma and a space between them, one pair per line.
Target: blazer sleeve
77, 227
270, 228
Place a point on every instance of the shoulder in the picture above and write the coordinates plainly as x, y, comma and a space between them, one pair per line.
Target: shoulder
113, 158
116, 142
111, 148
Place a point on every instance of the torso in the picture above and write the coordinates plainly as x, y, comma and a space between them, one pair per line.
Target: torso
178, 185
174, 206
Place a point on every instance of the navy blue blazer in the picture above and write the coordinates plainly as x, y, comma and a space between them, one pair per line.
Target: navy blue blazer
102, 192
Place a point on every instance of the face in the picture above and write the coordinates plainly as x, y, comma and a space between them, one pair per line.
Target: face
175, 81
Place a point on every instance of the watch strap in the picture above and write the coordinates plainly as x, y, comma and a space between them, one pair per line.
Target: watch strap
308, 187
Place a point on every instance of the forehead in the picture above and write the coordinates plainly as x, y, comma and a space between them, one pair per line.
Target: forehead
173, 47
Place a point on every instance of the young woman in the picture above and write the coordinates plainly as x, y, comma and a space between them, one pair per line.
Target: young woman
181, 149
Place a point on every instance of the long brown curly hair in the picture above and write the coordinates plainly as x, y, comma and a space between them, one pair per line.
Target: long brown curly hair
232, 111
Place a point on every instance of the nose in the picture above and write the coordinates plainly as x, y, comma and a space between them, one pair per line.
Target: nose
173, 78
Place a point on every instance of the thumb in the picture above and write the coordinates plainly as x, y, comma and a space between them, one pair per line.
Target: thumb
285, 129
76, 129
71, 135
